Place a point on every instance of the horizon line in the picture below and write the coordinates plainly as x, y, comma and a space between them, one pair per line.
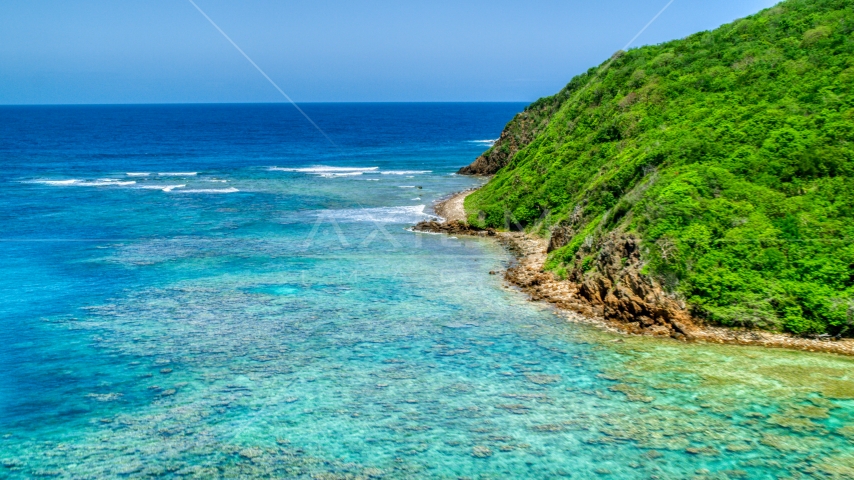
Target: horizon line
153, 104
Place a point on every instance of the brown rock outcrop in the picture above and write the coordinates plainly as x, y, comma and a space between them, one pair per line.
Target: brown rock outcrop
613, 288
629, 297
498, 156
520, 132
561, 235
452, 228
613, 293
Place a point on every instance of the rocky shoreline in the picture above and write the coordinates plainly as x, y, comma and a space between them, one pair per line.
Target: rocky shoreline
621, 299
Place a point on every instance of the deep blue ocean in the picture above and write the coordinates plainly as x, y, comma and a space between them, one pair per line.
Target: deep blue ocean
219, 291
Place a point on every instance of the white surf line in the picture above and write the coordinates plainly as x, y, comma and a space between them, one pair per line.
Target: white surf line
262, 73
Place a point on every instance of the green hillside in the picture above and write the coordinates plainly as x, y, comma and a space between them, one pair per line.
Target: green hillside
729, 155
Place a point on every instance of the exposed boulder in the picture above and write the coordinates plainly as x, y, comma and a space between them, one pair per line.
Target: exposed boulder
626, 295
452, 228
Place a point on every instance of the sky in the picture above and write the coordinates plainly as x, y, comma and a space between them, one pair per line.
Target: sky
165, 51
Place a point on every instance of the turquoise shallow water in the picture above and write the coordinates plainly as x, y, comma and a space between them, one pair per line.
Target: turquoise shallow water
274, 317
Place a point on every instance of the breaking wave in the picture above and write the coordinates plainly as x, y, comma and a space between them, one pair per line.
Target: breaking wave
165, 188
406, 172
104, 182
409, 214
208, 190
323, 169
336, 175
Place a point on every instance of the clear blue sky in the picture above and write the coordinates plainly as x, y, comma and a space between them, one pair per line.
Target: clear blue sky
159, 51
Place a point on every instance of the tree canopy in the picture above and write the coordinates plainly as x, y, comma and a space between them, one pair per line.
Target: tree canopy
728, 153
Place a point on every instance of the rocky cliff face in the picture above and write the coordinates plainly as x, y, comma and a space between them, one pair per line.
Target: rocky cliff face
604, 282
611, 287
511, 141
614, 290
521, 131
615, 282
748, 212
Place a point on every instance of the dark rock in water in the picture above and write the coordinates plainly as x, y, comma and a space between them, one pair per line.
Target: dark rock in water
460, 325
452, 228
251, 453
543, 379
46, 473
373, 472
11, 463
548, 428
481, 452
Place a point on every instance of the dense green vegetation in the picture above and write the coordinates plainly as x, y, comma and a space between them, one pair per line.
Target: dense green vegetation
728, 153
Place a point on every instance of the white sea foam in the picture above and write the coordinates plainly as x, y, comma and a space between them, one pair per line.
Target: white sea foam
406, 172
57, 182
408, 214
323, 169
104, 182
137, 174
335, 175
209, 190
178, 174
107, 182
165, 188
484, 142
423, 232
406, 186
